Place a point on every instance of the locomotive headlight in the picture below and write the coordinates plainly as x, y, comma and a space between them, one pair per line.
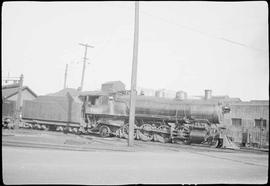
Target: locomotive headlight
226, 109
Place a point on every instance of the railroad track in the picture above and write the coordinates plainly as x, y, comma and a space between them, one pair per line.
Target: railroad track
16, 143
109, 144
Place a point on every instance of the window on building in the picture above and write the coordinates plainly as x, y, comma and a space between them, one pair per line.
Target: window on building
237, 122
258, 123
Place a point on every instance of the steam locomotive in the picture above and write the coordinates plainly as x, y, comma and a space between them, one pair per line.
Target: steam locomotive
156, 118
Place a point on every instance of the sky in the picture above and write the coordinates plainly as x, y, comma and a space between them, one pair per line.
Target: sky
189, 46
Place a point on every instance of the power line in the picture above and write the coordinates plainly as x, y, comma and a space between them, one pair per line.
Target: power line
104, 45
205, 33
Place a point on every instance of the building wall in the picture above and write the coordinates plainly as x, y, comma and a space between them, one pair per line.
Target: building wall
246, 113
26, 95
8, 108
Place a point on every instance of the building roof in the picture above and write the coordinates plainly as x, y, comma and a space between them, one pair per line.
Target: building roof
63, 92
112, 82
253, 103
13, 89
93, 93
266, 102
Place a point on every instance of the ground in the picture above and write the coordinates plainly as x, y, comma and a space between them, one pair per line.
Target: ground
39, 157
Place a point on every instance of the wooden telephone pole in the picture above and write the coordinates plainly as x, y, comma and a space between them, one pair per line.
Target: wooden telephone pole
19, 98
65, 82
134, 77
84, 62
261, 131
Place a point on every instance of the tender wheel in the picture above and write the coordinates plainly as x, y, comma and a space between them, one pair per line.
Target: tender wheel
43, 127
104, 131
58, 129
75, 130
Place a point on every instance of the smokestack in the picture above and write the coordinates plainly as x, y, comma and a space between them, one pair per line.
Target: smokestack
207, 94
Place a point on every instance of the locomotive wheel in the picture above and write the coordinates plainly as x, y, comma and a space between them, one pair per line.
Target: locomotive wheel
125, 131
104, 131
165, 128
146, 131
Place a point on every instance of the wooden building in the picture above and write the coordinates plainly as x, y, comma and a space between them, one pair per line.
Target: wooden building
9, 98
248, 122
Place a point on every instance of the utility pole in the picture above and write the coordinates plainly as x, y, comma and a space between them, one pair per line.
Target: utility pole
84, 62
65, 82
261, 128
134, 77
19, 101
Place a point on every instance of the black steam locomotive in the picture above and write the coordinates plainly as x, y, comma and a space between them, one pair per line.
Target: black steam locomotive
156, 118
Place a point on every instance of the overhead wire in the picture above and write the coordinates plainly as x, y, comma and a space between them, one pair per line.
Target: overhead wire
205, 33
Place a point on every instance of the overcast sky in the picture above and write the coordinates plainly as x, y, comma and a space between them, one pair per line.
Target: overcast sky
188, 46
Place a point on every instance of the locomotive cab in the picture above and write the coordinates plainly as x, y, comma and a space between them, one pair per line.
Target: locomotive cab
90, 100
